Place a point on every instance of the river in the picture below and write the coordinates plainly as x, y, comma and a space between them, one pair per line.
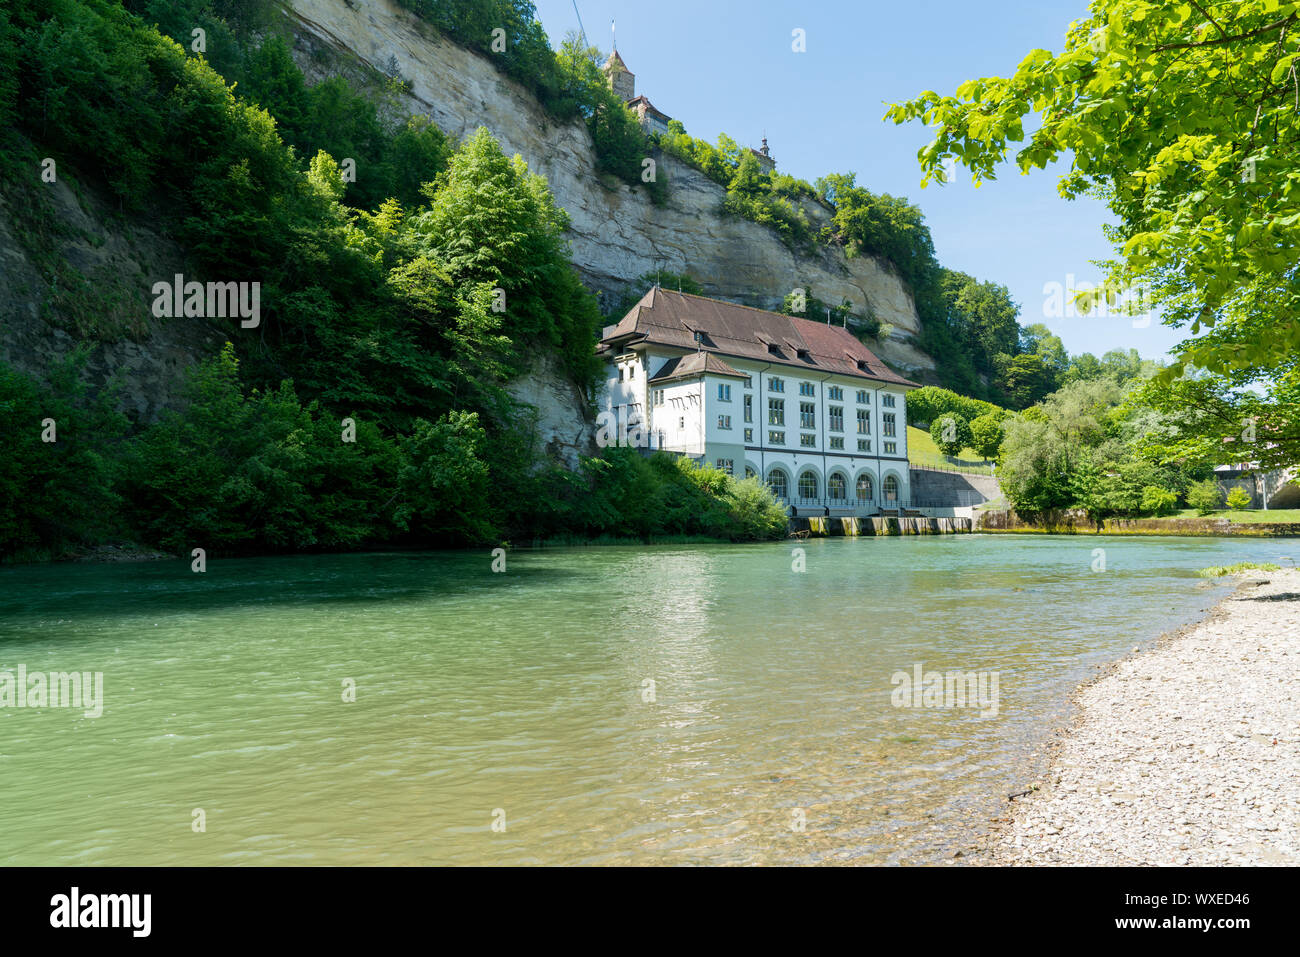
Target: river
612, 705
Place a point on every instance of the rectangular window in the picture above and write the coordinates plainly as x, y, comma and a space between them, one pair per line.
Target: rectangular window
776, 385
749, 408
724, 422
727, 465
776, 411
776, 438
888, 401
864, 445
620, 373
807, 415
724, 392
864, 397
837, 442
659, 396
808, 440
836, 418
807, 388
891, 429
749, 382
631, 373
749, 435
681, 424
864, 421
891, 448
835, 394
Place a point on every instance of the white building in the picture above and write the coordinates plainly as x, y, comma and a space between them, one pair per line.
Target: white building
802, 404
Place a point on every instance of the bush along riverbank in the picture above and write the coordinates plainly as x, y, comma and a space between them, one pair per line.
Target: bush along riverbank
1185, 754
1079, 522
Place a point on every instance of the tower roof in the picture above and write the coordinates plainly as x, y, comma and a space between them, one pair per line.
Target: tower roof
615, 62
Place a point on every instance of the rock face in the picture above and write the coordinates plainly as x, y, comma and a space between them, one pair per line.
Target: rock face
563, 425
100, 300
617, 233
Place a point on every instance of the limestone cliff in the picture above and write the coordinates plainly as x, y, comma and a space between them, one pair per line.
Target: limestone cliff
617, 233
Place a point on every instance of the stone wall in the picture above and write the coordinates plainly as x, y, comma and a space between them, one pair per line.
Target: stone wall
1275, 489
931, 488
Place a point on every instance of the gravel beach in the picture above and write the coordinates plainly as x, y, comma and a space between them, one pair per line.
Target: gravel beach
1186, 754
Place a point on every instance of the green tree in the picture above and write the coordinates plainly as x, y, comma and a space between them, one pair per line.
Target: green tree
445, 495
493, 222
1158, 501
1205, 496
1238, 498
1219, 419
986, 435
58, 469
951, 433
1024, 379
1181, 117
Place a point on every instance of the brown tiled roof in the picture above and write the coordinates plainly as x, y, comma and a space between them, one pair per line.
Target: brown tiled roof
698, 363
649, 107
667, 318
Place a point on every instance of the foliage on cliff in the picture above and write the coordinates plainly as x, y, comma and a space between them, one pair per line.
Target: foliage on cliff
368, 405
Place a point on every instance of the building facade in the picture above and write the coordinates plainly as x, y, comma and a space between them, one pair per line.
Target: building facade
803, 405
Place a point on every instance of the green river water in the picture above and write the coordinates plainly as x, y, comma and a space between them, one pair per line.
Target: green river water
524, 693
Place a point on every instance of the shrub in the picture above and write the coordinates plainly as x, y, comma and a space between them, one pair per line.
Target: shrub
756, 511
1158, 501
1204, 496
1238, 498
928, 403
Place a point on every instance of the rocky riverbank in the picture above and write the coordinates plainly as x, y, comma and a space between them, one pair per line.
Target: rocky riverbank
1187, 754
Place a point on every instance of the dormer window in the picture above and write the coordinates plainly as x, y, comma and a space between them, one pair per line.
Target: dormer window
802, 353
774, 349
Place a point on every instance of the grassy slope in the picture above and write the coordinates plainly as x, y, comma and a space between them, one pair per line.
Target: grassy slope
1248, 517
921, 450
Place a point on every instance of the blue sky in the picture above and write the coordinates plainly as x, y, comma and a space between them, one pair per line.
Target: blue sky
722, 66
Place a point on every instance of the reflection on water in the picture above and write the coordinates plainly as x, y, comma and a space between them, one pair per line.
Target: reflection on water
619, 705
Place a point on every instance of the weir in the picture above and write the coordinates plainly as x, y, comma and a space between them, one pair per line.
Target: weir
817, 526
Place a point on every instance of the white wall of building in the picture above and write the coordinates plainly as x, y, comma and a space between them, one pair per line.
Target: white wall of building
687, 421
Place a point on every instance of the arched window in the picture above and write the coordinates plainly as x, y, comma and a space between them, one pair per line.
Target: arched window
836, 488
891, 489
864, 488
777, 483
749, 472
808, 485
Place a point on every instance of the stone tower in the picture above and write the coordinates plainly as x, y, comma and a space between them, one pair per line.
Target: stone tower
621, 80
